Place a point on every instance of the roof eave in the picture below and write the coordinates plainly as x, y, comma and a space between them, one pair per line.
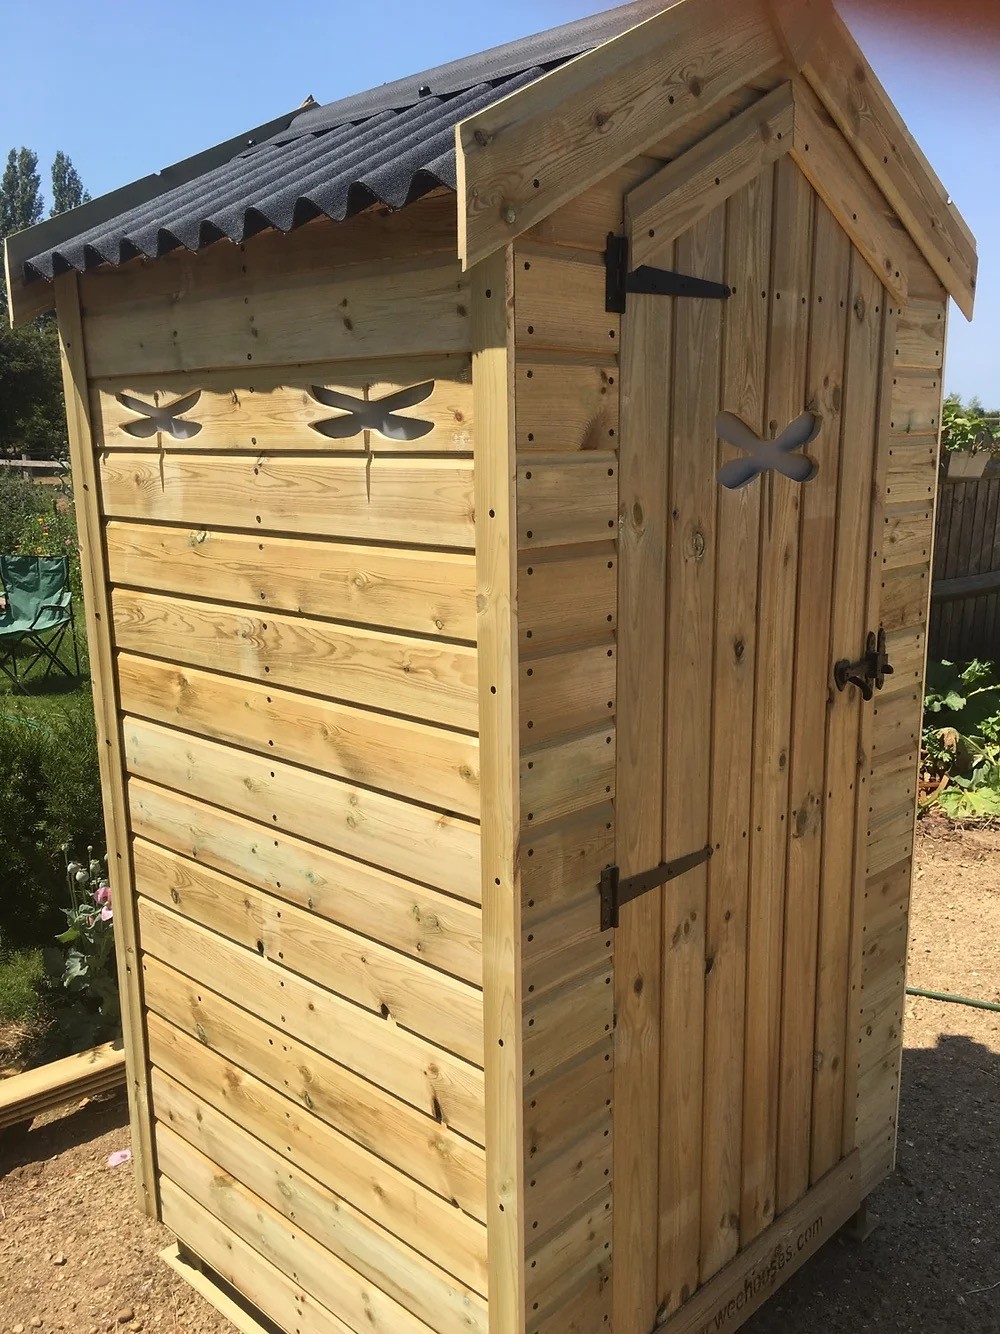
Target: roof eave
26, 300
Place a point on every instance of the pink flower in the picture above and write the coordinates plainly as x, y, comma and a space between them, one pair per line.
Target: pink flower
102, 894
106, 913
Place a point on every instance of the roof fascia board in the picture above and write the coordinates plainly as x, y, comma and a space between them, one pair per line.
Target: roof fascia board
845, 83
533, 151
28, 299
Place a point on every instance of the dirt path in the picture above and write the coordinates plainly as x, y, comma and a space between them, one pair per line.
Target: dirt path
75, 1256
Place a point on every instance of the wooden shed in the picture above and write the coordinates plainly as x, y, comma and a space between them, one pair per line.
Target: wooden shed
491, 614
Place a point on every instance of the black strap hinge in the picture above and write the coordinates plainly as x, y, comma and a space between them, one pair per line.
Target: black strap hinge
647, 281
616, 890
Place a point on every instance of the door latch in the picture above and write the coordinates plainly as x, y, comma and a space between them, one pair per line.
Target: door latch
869, 672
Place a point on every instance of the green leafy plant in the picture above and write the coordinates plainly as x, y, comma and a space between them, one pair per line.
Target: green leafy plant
968, 428
961, 738
89, 967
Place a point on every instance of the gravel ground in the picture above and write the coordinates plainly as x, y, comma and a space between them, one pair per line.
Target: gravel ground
75, 1255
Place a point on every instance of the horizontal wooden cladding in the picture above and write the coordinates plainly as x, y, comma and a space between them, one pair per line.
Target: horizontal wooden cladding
911, 470
428, 680
433, 1154
586, 1236
560, 302
566, 776
411, 760
421, 844
920, 336
370, 1251
420, 922
272, 408
567, 691
907, 537
904, 596
393, 308
431, 1224
558, 948
378, 233
896, 723
560, 860
269, 983
415, 501
429, 592
551, 606
564, 500
566, 405
562, 1024
916, 402
312, 1266
242, 1267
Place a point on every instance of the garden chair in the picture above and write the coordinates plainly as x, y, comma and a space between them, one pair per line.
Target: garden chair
37, 615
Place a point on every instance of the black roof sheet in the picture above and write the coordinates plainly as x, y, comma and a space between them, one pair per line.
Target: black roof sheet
389, 145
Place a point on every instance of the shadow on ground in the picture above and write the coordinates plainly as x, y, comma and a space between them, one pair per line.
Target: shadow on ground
933, 1264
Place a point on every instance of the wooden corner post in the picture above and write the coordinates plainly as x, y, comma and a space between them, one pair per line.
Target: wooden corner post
496, 574
106, 709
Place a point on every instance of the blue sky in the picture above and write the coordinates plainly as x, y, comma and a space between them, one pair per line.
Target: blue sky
128, 88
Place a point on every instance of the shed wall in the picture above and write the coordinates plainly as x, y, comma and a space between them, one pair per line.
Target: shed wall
293, 663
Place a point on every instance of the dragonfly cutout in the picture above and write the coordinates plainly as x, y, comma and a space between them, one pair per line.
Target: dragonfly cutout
379, 415
155, 419
767, 456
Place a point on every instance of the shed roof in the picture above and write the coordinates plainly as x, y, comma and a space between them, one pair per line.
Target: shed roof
389, 145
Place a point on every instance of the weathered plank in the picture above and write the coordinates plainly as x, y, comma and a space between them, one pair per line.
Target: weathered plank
291, 987
565, 405
426, 501
420, 677
416, 842
417, 307
435, 1155
426, 764
419, 1216
433, 593
272, 409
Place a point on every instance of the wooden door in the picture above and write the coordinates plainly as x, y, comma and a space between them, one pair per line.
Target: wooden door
733, 987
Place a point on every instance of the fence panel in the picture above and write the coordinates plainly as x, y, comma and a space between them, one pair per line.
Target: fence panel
965, 598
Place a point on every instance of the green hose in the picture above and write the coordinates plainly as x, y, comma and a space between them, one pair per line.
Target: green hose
957, 1000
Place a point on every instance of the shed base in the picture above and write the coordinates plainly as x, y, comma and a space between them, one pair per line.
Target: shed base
746, 1283
217, 1292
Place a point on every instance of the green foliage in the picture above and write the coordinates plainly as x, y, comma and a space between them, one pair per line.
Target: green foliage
961, 737
968, 428
89, 968
32, 418
20, 192
37, 520
67, 188
22, 975
49, 797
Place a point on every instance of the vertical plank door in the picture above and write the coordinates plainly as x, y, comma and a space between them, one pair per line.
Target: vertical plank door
734, 582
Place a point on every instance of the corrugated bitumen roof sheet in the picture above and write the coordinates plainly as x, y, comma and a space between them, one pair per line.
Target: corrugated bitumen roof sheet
389, 146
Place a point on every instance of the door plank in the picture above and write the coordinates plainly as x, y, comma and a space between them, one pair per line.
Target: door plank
687, 723
748, 254
827, 333
842, 763
790, 280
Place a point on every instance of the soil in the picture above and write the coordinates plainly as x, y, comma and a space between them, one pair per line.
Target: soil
76, 1256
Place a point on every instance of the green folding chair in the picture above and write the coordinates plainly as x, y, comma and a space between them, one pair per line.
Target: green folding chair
37, 617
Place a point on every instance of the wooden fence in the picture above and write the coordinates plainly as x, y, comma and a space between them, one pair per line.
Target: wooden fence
965, 595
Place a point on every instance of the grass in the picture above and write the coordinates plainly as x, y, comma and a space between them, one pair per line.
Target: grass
21, 975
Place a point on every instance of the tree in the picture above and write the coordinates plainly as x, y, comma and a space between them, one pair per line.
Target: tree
20, 192
67, 188
31, 401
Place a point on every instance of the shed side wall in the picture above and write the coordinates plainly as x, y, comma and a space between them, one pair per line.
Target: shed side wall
910, 446
293, 593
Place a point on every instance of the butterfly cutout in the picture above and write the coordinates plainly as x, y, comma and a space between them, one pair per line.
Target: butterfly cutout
166, 419
373, 415
764, 456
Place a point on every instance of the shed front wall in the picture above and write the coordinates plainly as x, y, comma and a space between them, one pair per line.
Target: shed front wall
282, 587
839, 790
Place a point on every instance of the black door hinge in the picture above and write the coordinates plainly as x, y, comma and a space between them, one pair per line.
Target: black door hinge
616, 890
647, 281
869, 672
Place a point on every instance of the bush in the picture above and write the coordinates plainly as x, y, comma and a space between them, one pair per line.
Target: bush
22, 974
961, 738
49, 796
